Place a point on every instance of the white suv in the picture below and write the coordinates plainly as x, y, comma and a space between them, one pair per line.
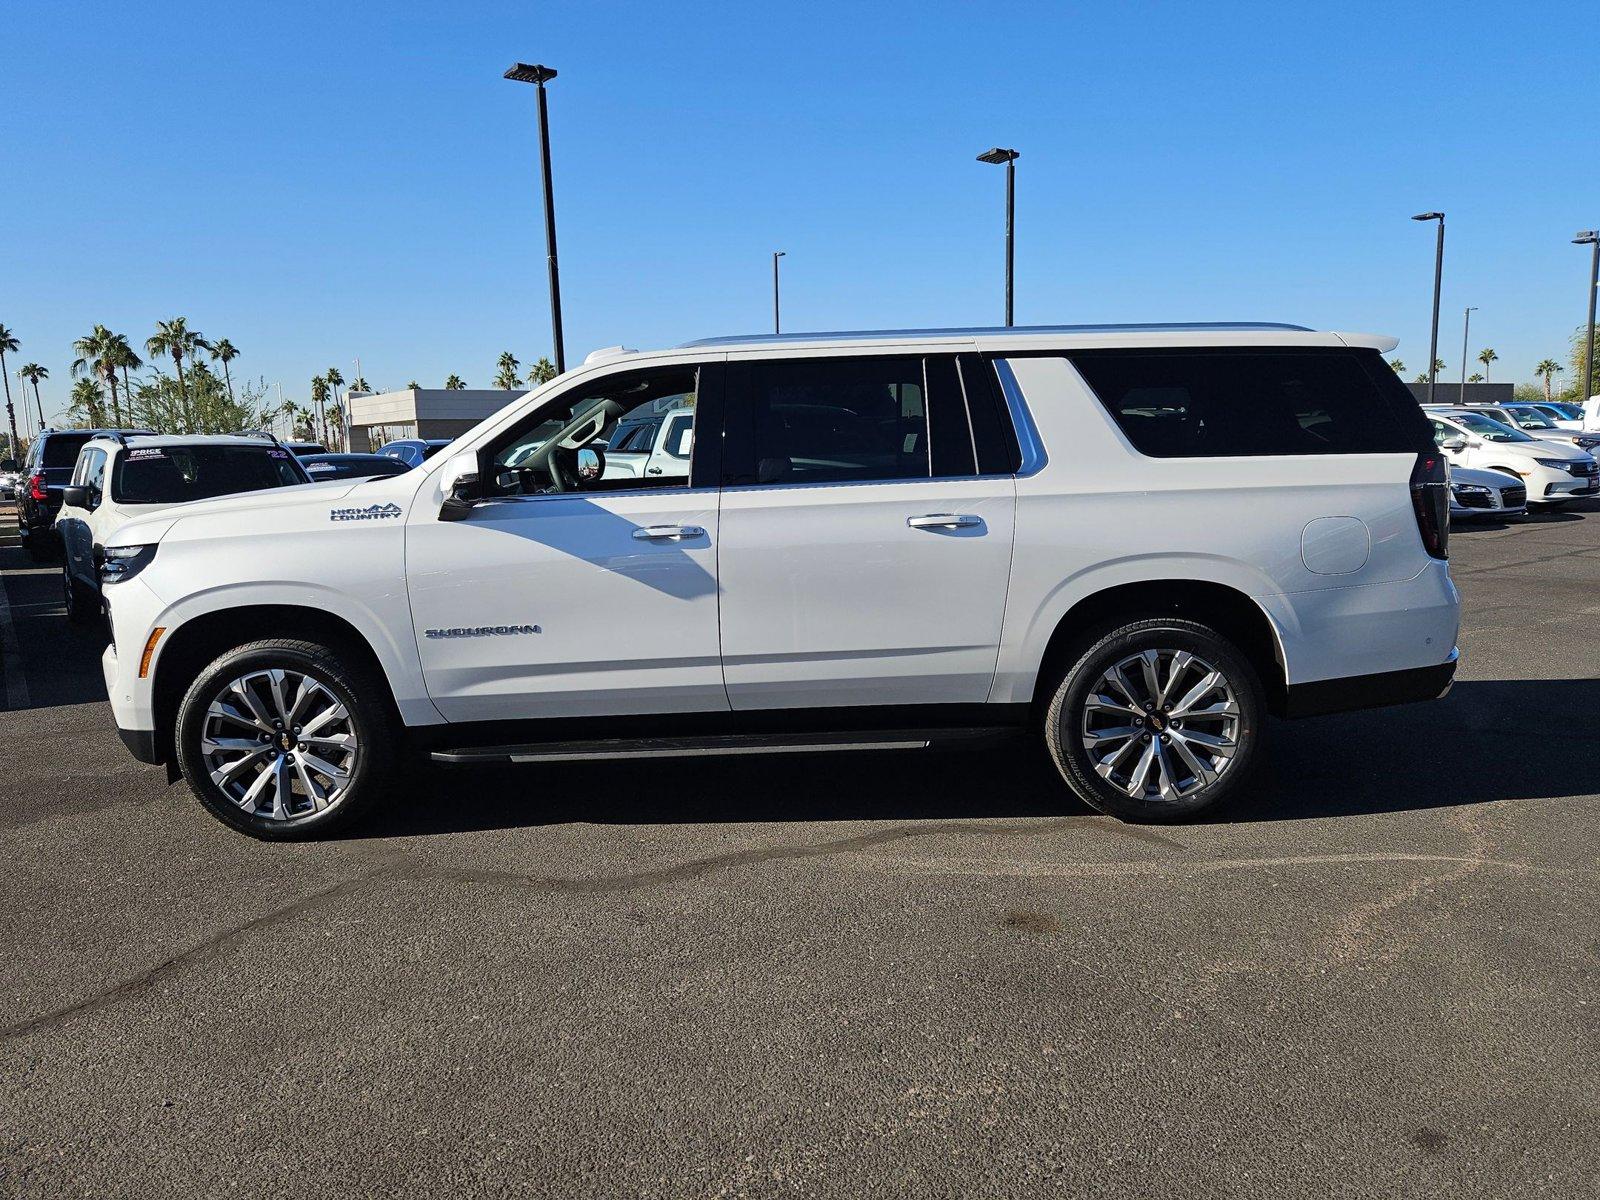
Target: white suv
119, 477
1139, 541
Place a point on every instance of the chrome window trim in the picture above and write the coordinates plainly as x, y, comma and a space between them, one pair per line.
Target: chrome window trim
1028, 441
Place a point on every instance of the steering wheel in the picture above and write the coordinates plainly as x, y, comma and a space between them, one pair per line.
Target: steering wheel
563, 464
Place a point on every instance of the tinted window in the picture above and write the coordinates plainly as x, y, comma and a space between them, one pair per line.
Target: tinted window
993, 438
846, 420
61, 449
323, 467
174, 474
1235, 402
680, 436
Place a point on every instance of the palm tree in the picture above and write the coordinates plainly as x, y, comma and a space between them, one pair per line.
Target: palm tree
87, 400
334, 379
33, 372
1486, 357
176, 339
100, 353
1398, 367
125, 358
454, 384
507, 378
319, 398
414, 385
542, 371
359, 384
9, 345
225, 352
1547, 368
1475, 377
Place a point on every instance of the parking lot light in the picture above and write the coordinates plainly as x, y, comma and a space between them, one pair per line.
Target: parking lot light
1438, 275
1466, 324
537, 73
1591, 238
996, 156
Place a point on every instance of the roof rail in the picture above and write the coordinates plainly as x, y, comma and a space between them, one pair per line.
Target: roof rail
115, 435
857, 335
262, 433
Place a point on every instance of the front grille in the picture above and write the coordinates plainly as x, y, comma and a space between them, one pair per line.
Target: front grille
1513, 497
1474, 499
1585, 469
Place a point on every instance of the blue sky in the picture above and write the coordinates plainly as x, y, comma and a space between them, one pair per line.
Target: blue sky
318, 182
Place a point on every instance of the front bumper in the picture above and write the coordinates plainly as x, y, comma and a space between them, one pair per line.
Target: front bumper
1372, 691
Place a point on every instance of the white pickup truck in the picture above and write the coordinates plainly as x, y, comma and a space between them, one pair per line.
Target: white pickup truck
650, 444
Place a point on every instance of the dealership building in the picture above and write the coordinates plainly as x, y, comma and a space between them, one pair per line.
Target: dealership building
379, 417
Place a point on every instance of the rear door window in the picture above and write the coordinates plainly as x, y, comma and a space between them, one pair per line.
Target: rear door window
1242, 402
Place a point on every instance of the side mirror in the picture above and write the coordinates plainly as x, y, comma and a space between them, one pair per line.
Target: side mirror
461, 486
75, 496
1453, 443
591, 464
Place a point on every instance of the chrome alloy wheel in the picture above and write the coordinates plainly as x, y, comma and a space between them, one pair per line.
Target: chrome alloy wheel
1161, 724
279, 745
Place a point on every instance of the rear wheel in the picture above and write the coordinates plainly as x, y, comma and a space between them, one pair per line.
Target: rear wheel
1157, 720
285, 740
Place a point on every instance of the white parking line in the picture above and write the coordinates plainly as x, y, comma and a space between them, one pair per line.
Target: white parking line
11, 656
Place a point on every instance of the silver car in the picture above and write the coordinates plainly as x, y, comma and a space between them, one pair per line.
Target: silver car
1486, 494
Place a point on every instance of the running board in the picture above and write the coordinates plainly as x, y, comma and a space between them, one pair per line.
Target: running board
725, 744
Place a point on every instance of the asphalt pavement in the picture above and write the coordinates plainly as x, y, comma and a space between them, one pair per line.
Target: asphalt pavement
895, 975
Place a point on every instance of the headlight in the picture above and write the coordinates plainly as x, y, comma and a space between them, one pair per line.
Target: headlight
124, 562
1555, 464
1471, 489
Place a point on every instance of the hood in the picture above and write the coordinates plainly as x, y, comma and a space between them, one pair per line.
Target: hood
1494, 479
142, 531
1561, 448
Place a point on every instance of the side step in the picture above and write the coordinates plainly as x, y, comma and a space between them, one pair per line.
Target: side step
726, 744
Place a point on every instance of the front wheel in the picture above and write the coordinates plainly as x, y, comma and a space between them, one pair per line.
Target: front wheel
1158, 720
82, 604
286, 740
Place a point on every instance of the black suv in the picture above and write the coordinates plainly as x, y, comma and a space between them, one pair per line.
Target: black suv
45, 473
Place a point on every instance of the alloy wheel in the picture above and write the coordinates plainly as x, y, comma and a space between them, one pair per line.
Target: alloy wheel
1161, 725
279, 744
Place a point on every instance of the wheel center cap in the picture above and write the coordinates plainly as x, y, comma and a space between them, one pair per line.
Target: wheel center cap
1157, 722
285, 742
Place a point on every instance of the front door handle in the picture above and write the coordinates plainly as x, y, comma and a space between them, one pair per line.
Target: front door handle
655, 533
944, 521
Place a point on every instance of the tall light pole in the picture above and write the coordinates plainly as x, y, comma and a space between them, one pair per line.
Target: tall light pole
534, 73
1009, 157
1466, 324
1438, 276
776, 255
1589, 237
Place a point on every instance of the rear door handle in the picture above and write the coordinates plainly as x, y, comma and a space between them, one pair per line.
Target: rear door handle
656, 533
944, 521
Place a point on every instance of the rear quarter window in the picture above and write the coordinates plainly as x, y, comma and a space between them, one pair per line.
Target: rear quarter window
1243, 402
61, 449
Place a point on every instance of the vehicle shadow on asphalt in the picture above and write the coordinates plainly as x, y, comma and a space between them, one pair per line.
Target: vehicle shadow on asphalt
1479, 744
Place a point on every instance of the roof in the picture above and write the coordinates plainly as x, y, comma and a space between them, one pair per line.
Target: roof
997, 331
189, 439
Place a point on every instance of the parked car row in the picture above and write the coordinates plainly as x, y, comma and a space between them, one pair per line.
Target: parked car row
1527, 458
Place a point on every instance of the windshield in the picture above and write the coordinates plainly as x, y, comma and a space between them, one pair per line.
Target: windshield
175, 474
1530, 418
1488, 430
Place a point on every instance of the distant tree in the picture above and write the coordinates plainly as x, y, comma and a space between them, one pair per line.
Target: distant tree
542, 371
33, 372
413, 385
125, 359
1581, 389
507, 377
1487, 356
1527, 393
88, 404
1475, 377
177, 341
302, 425
1547, 369
225, 352
9, 345
100, 353
335, 378
319, 401
359, 384
454, 384
1398, 367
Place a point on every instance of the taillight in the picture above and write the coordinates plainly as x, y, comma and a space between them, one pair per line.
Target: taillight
1430, 498
36, 487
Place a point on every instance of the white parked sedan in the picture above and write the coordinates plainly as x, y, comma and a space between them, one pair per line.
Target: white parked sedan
1553, 472
1486, 494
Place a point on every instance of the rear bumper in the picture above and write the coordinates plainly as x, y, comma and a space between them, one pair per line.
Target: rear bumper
1372, 691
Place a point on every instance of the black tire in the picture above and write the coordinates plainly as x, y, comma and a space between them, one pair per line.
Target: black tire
1067, 712
357, 686
38, 547
83, 606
